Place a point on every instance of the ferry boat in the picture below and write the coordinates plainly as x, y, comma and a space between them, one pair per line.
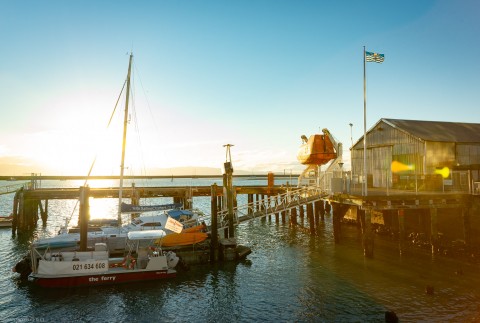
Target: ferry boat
144, 261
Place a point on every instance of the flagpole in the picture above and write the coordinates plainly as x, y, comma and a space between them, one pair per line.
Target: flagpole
364, 125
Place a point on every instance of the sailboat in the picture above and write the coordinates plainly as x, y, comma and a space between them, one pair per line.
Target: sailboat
144, 260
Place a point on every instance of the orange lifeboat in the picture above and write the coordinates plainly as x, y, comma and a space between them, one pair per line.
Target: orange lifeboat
182, 239
317, 150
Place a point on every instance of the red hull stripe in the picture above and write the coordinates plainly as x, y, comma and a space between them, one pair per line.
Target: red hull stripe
102, 279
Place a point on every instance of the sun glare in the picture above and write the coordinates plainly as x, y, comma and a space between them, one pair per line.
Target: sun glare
401, 167
445, 172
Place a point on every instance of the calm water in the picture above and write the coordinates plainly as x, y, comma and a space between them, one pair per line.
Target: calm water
289, 277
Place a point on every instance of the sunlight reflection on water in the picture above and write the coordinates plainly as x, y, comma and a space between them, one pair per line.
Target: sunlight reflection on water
289, 277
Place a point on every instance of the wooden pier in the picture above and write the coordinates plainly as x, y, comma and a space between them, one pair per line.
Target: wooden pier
28, 204
435, 216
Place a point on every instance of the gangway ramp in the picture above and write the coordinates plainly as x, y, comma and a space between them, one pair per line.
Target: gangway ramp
271, 205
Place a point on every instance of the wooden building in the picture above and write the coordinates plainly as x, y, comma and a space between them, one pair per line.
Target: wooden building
420, 155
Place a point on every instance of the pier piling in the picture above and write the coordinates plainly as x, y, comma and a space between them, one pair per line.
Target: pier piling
293, 216
214, 224
367, 234
321, 210
310, 217
316, 212
84, 216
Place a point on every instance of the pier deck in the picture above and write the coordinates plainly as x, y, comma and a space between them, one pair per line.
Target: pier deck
147, 191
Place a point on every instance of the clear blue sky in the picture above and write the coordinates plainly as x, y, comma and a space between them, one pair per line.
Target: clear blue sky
256, 74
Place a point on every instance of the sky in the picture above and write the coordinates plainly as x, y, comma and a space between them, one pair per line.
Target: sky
254, 74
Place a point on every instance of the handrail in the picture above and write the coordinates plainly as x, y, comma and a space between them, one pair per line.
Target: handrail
272, 204
8, 189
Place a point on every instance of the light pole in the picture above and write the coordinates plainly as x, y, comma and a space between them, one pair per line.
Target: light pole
351, 136
351, 152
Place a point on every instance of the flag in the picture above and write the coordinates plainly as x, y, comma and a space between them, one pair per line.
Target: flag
374, 57
173, 225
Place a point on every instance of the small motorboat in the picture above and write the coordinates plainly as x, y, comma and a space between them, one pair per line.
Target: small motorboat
143, 261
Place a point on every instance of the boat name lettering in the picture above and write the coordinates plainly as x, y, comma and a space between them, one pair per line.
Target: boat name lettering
102, 278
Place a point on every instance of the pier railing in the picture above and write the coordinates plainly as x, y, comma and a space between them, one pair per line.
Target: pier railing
271, 205
8, 189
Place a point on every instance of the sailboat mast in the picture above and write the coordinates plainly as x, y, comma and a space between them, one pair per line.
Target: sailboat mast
124, 143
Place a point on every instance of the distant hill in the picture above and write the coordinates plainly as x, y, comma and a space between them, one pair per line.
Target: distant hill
15, 167
179, 171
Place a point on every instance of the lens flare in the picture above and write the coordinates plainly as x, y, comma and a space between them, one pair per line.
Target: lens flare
400, 167
445, 172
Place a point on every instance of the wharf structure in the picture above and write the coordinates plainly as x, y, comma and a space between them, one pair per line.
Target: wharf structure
29, 202
423, 180
423, 183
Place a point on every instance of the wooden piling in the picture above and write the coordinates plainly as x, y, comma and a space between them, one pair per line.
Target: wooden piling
316, 212
15, 212
310, 217
30, 214
293, 216
277, 214
21, 215
228, 184
214, 224
188, 200
367, 234
43, 212
321, 210
84, 216
219, 203
328, 208
250, 202
177, 200
135, 198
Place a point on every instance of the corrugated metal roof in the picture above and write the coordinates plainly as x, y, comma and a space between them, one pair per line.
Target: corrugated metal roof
439, 130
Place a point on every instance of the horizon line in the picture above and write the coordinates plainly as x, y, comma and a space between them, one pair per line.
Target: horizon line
76, 177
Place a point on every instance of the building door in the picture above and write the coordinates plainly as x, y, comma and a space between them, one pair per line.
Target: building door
381, 166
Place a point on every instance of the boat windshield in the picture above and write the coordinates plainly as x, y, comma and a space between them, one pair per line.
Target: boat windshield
152, 224
137, 221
